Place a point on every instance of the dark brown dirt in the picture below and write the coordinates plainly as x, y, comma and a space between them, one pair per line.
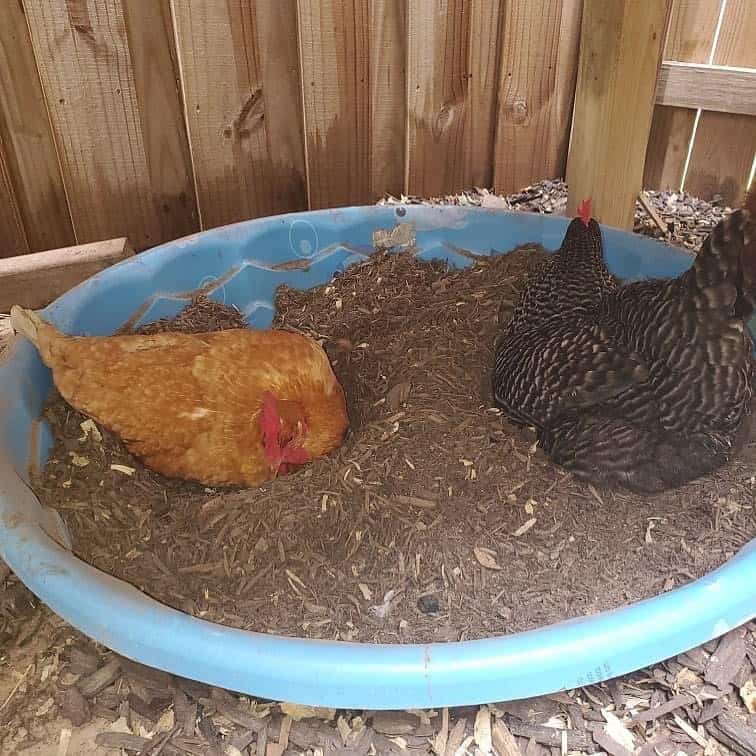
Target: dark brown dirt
436, 520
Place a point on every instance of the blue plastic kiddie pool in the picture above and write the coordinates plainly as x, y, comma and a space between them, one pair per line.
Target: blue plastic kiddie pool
242, 264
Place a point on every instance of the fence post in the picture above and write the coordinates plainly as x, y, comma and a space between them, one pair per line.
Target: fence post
621, 45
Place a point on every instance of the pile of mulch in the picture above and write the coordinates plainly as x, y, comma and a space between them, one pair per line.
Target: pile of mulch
436, 520
700, 702
682, 219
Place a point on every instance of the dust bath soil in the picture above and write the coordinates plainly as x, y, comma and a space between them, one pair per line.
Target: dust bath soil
435, 521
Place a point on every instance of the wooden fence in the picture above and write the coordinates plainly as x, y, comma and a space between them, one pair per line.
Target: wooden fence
154, 118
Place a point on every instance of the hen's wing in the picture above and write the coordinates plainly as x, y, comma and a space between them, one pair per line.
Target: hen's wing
609, 450
542, 373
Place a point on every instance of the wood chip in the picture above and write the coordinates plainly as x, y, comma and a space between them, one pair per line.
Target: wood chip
456, 736
416, 501
482, 730
525, 527
676, 702
725, 662
748, 694
300, 711
486, 557
734, 734
645, 202
547, 736
75, 707
503, 740
122, 740
99, 680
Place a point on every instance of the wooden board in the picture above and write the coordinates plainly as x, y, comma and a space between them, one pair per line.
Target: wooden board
82, 53
352, 56
30, 154
667, 150
37, 279
722, 155
718, 88
689, 38
13, 239
388, 103
486, 34
725, 145
152, 45
241, 83
438, 90
691, 30
620, 55
536, 93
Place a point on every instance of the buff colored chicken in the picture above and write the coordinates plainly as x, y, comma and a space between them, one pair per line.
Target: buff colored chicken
230, 407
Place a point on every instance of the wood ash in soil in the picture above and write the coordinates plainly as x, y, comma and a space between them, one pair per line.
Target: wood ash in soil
435, 521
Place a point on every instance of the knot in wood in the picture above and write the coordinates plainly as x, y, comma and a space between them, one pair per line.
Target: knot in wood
519, 111
443, 120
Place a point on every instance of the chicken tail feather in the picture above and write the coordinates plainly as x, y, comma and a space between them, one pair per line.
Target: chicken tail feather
31, 326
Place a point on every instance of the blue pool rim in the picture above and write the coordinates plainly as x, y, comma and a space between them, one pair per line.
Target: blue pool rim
237, 264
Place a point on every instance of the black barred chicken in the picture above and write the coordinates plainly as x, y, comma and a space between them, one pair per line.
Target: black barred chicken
646, 385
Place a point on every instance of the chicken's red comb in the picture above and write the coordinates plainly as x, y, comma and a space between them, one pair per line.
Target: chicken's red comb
584, 211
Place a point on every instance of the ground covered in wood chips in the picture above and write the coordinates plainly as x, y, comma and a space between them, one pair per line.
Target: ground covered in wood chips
436, 520
62, 695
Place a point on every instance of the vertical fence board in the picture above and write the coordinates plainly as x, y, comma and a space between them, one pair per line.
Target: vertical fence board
438, 95
455, 56
671, 129
691, 30
538, 74
689, 37
388, 101
83, 58
485, 56
13, 240
240, 73
620, 54
722, 156
725, 144
335, 61
32, 159
149, 28
736, 45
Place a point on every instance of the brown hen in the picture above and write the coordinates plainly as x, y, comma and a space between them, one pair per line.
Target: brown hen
231, 407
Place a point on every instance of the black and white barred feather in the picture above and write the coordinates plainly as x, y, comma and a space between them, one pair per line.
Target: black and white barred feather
647, 385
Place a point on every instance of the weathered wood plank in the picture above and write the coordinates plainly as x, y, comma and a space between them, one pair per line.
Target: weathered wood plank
241, 84
388, 101
691, 85
689, 38
13, 239
725, 145
667, 151
537, 89
438, 94
34, 280
149, 26
691, 30
30, 154
485, 56
620, 55
335, 56
722, 155
82, 53
736, 45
